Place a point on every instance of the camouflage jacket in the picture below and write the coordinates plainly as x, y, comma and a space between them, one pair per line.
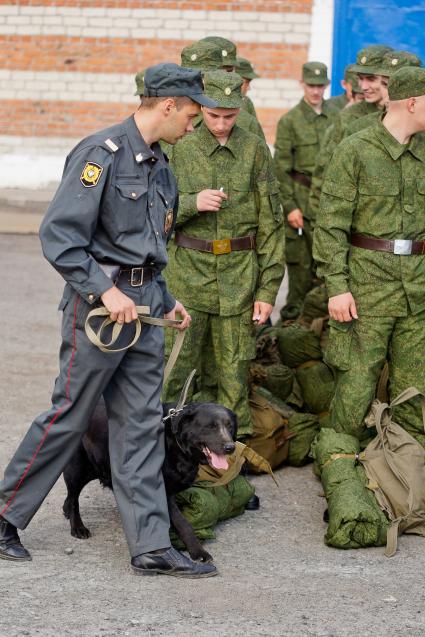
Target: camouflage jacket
338, 101
227, 284
298, 137
363, 122
340, 129
248, 106
374, 186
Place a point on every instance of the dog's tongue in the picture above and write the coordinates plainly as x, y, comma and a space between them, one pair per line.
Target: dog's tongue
215, 460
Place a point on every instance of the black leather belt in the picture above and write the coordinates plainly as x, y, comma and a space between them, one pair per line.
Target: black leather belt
138, 275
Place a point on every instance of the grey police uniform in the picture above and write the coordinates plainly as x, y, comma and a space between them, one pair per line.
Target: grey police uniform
116, 203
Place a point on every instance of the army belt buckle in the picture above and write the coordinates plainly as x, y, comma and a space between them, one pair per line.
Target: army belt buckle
134, 281
221, 246
403, 246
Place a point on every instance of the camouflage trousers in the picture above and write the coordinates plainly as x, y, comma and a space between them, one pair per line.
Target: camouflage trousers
358, 350
220, 348
299, 263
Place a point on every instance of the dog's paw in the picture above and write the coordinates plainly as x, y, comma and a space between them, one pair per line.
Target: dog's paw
81, 532
201, 556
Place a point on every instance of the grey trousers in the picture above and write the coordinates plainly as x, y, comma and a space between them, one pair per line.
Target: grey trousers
131, 383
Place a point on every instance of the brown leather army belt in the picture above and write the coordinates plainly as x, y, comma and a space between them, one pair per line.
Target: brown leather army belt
216, 246
302, 179
398, 246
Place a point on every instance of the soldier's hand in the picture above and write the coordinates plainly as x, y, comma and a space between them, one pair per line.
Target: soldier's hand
296, 219
261, 312
121, 308
342, 307
180, 309
210, 200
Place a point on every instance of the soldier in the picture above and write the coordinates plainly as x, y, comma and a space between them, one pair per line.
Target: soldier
227, 255
245, 69
115, 207
369, 246
228, 51
369, 63
349, 83
391, 62
298, 137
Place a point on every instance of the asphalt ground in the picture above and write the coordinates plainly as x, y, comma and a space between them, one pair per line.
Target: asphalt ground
276, 576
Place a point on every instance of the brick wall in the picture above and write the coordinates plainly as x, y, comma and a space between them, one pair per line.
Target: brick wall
67, 67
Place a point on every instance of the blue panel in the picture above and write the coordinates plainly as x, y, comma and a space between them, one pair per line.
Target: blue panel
359, 23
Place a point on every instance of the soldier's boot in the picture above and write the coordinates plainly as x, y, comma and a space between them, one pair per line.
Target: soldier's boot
11, 547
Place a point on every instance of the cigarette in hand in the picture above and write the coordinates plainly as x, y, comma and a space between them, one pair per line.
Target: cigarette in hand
256, 318
300, 231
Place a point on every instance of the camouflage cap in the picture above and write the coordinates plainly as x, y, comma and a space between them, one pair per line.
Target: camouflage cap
245, 69
352, 77
315, 73
224, 88
171, 80
227, 48
408, 81
395, 60
369, 59
140, 82
205, 56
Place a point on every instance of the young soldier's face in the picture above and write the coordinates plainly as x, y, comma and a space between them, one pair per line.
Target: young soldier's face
313, 93
220, 121
371, 87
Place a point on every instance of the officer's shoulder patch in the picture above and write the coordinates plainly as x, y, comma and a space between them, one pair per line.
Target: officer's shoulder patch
91, 174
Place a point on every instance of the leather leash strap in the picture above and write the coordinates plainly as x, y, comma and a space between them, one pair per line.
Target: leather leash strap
143, 317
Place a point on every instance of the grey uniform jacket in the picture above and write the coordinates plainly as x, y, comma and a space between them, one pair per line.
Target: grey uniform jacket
116, 203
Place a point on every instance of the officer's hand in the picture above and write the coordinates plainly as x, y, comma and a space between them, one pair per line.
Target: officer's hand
342, 307
180, 309
261, 312
121, 308
295, 218
210, 200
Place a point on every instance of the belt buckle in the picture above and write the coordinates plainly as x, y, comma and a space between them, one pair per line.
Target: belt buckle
403, 246
133, 280
221, 246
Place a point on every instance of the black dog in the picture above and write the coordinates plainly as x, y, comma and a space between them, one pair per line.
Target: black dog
199, 434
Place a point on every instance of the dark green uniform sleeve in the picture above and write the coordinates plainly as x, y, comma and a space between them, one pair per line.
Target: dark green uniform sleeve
322, 162
333, 224
271, 229
70, 222
284, 163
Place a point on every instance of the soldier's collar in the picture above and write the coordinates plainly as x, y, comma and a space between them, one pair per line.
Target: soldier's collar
141, 151
309, 112
391, 145
210, 143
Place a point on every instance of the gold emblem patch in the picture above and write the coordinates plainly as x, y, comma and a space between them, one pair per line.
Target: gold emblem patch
169, 215
91, 174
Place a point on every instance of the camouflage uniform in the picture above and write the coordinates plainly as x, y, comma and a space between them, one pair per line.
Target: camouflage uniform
245, 69
374, 186
298, 137
219, 290
340, 101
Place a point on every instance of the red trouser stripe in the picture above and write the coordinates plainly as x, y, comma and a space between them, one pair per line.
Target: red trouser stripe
56, 415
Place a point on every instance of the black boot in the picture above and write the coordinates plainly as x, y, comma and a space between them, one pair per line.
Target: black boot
170, 562
11, 547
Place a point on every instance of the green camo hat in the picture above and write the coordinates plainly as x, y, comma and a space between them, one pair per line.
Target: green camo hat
227, 48
408, 81
315, 73
352, 77
140, 82
369, 59
224, 88
395, 60
205, 56
245, 69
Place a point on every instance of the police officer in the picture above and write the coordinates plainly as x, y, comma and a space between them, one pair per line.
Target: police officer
115, 206
369, 245
298, 137
227, 258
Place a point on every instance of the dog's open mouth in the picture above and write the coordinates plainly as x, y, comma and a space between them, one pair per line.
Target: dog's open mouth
215, 460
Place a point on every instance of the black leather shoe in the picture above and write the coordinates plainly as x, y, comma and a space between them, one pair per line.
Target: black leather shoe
253, 503
11, 547
171, 562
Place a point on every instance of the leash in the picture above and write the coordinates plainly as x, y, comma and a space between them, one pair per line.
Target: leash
174, 411
143, 317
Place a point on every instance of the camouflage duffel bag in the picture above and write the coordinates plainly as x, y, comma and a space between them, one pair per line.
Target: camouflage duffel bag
355, 519
277, 378
297, 344
315, 304
317, 385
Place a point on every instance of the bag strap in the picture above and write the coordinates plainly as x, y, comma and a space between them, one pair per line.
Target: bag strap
143, 317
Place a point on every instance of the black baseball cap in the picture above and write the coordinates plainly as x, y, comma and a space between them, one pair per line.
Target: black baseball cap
171, 80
